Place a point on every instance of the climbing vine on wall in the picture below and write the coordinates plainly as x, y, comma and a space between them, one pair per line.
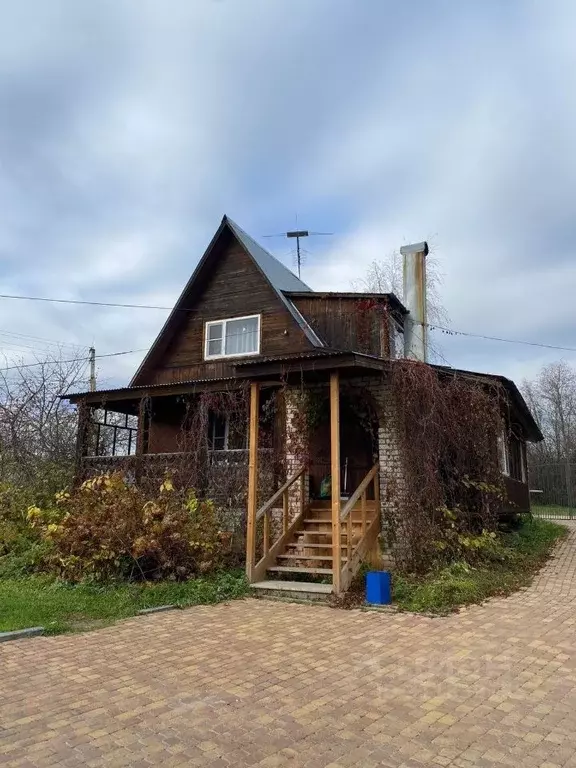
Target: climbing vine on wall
450, 487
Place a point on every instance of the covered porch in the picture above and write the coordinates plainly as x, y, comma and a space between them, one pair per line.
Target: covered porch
278, 447
292, 534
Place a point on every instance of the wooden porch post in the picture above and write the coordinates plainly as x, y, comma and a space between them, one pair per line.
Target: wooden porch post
335, 473
141, 436
252, 481
143, 425
84, 416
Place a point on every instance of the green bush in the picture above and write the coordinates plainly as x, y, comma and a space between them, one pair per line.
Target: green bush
21, 549
502, 564
110, 529
26, 557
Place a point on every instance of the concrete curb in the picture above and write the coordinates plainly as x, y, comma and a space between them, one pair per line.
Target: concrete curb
391, 609
158, 609
19, 634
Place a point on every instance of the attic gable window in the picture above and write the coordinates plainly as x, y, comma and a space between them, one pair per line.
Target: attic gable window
232, 337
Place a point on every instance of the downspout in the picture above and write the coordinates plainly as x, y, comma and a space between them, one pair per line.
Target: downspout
415, 322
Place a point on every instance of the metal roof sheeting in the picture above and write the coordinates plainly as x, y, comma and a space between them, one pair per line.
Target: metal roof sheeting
280, 276
144, 387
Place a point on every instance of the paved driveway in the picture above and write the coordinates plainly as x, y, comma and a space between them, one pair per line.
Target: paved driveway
270, 684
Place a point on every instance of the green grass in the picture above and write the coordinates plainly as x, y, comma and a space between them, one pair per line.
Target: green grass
553, 510
59, 607
442, 591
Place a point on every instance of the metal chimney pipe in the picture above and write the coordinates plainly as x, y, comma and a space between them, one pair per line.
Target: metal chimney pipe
415, 322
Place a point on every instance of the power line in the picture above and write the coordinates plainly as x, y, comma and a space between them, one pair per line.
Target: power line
90, 303
433, 348
26, 347
28, 336
73, 360
453, 332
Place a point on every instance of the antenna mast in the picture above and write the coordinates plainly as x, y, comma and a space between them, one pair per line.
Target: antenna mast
297, 234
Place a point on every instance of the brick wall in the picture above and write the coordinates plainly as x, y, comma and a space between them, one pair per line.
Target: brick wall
294, 449
389, 457
391, 475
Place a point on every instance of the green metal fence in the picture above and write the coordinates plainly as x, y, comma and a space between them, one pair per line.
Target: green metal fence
553, 490
552, 512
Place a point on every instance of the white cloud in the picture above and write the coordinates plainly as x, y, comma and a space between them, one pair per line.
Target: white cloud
126, 133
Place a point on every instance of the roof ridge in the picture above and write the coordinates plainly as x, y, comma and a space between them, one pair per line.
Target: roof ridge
256, 250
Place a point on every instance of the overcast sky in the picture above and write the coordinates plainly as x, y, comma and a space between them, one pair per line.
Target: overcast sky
127, 129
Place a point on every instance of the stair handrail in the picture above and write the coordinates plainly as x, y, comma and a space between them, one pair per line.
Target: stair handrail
370, 529
273, 499
270, 550
349, 506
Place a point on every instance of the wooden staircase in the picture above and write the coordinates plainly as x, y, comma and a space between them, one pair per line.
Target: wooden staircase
306, 547
311, 548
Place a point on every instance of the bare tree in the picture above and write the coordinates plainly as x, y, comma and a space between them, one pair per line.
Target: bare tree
552, 399
386, 276
538, 452
37, 428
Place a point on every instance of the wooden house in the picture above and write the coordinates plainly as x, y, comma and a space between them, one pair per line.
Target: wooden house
246, 327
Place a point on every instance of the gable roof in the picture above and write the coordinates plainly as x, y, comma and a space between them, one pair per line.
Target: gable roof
276, 274
279, 276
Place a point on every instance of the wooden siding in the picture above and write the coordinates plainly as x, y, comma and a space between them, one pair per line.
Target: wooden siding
165, 424
164, 438
518, 496
348, 324
234, 288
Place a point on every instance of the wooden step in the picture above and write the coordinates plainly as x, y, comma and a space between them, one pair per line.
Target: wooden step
321, 505
325, 533
328, 512
295, 590
294, 569
315, 544
319, 521
305, 557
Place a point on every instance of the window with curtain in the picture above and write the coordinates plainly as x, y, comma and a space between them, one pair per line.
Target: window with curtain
232, 337
227, 432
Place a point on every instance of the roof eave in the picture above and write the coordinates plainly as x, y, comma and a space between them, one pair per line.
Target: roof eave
390, 297
533, 432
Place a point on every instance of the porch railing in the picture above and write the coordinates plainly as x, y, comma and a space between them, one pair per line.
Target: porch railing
369, 529
276, 532
105, 463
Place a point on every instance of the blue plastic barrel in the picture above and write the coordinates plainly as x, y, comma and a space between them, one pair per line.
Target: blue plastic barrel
379, 587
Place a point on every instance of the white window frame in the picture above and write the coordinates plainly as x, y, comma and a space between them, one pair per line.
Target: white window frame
503, 453
524, 460
226, 449
208, 324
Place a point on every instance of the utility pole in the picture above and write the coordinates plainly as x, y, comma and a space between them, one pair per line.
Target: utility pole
92, 353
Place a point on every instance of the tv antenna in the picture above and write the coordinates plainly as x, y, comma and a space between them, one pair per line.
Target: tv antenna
298, 234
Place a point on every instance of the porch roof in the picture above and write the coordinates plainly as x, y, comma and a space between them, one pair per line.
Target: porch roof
135, 393
314, 360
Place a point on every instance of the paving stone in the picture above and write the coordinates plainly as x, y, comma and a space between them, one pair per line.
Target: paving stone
256, 683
